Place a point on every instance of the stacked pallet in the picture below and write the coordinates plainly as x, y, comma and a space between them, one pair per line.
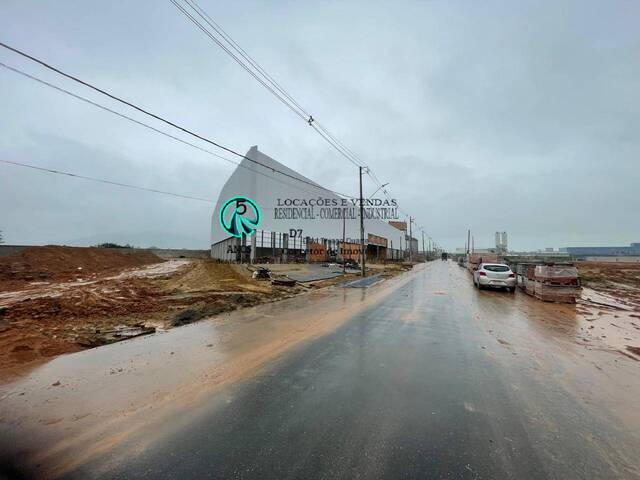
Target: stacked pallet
526, 277
474, 259
556, 283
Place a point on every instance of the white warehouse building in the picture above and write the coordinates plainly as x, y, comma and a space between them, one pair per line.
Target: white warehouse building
288, 217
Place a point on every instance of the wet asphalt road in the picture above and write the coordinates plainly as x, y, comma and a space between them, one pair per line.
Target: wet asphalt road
405, 389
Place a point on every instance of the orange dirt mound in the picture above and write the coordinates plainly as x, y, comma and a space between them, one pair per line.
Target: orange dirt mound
43, 263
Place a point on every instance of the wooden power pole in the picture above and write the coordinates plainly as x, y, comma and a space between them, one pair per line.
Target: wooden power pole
344, 222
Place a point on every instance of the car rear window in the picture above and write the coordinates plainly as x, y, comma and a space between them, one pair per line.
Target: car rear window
496, 268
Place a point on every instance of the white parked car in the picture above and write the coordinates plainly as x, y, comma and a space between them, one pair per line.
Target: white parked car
494, 275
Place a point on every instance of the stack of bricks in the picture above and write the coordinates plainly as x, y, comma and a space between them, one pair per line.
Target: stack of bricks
473, 259
556, 283
527, 272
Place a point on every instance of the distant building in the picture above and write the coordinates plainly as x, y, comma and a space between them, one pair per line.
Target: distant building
633, 249
408, 242
501, 242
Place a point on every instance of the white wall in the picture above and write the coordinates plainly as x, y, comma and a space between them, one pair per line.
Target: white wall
264, 187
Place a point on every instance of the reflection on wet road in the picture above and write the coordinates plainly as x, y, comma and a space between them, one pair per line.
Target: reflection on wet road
435, 380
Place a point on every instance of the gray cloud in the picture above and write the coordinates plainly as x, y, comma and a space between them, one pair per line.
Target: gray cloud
517, 116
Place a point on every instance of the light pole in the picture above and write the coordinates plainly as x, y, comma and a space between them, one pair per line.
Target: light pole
344, 227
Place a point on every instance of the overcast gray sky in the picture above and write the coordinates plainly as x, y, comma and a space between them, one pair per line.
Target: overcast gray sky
517, 116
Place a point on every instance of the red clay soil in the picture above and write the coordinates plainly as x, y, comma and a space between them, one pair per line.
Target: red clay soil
59, 263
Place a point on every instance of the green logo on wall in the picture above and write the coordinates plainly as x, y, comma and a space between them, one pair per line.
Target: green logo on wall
239, 216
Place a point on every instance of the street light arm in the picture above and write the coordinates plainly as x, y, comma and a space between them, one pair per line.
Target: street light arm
381, 186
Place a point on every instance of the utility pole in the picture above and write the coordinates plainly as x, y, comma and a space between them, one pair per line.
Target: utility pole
468, 240
344, 264
423, 252
410, 241
362, 252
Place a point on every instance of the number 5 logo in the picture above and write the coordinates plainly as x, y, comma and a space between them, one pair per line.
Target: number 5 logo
239, 216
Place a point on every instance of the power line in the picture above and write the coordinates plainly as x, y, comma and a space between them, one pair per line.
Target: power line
195, 21
164, 120
256, 70
342, 145
293, 106
245, 55
107, 109
105, 181
102, 180
126, 117
268, 81
258, 73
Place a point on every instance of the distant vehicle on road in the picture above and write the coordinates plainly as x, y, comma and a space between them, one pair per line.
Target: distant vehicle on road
445, 256
494, 275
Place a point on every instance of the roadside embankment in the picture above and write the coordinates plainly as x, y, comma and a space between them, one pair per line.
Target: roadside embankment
56, 300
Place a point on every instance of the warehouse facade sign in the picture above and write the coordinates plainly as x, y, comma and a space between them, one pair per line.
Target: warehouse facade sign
334, 209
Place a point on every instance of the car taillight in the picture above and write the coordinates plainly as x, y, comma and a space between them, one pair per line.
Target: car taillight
482, 274
512, 275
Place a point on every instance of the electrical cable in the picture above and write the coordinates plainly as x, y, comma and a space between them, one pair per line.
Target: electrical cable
157, 117
289, 101
102, 180
267, 81
126, 117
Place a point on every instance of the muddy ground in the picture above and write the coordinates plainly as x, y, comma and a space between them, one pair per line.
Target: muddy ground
610, 305
60, 263
620, 280
44, 319
56, 300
